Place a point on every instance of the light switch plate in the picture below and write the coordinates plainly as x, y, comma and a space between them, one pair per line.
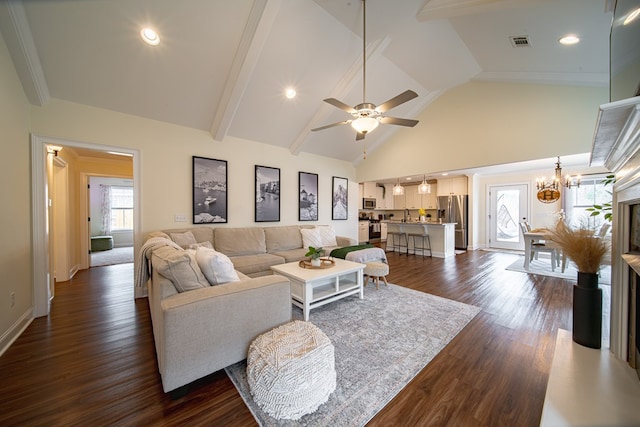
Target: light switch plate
180, 218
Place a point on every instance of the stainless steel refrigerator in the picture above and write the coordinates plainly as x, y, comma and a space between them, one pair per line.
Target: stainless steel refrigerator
455, 208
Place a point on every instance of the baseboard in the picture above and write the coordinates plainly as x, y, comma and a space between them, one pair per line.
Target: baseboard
73, 271
15, 330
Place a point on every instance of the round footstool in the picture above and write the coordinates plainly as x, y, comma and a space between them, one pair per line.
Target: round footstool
376, 270
291, 370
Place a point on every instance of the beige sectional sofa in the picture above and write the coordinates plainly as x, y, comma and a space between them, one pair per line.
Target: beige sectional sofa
253, 250
203, 330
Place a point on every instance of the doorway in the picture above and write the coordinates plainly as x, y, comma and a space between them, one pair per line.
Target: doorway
508, 205
41, 202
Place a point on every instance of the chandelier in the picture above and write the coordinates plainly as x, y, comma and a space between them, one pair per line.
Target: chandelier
549, 191
424, 188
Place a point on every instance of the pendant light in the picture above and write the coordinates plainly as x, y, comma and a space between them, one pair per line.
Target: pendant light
398, 190
424, 188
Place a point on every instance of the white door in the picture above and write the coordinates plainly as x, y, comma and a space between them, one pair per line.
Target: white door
508, 205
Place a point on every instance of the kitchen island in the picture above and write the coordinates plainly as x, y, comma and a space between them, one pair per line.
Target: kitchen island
442, 236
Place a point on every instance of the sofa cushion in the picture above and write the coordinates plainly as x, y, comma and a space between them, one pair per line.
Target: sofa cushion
240, 241
180, 267
327, 235
292, 255
184, 240
311, 237
282, 238
252, 264
216, 266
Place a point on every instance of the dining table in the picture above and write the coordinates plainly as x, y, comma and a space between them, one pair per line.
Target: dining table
534, 235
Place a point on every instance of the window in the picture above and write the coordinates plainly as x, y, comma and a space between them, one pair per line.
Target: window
121, 208
591, 191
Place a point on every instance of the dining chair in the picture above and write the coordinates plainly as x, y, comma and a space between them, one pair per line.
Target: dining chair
537, 247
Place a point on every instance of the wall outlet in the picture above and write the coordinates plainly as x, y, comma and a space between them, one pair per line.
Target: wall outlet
180, 218
12, 298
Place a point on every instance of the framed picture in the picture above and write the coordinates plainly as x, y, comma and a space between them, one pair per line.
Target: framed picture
308, 196
209, 190
267, 194
340, 198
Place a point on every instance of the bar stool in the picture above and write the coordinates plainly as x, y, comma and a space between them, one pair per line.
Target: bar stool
423, 238
396, 239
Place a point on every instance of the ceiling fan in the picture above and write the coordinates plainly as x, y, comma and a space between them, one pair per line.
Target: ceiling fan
367, 116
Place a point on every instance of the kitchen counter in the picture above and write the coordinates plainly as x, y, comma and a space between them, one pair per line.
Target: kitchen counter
441, 236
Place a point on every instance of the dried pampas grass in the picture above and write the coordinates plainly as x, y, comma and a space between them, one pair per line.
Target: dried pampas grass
581, 245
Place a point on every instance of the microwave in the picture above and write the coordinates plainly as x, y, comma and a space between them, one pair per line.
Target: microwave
368, 203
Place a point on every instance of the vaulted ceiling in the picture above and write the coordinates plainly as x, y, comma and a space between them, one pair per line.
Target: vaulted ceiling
223, 66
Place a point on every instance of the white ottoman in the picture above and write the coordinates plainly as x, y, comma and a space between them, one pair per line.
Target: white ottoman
291, 370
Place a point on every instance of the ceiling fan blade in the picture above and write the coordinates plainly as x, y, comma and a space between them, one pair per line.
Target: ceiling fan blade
359, 136
397, 121
405, 96
346, 122
341, 105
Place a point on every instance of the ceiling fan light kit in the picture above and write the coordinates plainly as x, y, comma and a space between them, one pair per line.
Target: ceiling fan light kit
367, 116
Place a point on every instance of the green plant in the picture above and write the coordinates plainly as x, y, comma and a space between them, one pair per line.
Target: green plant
314, 253
605, 209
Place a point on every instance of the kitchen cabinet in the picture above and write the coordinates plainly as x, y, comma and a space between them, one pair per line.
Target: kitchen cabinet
430, 200
371, 190
385, 199
412, 199
450, 186
399, 202
383, 231
363, 231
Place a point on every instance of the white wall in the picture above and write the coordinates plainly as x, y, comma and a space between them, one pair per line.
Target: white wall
15, 215
540, 215
483, 124
166, 152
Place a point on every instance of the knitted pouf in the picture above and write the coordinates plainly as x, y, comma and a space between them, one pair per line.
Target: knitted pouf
376, 270
291, 370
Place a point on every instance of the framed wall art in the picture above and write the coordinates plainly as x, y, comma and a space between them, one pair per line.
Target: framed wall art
209, 190
340, 198
308, 196
267, 194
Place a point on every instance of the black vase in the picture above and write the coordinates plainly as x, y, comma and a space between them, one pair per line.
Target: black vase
587, 311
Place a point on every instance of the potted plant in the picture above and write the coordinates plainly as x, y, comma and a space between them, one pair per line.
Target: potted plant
587, 251
314, 255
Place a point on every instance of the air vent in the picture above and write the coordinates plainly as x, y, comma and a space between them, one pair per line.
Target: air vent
520, 41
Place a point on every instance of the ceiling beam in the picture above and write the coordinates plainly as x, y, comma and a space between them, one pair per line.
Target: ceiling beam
259, 24
17, 34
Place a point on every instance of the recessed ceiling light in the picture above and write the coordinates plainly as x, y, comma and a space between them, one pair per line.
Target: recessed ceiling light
150, 36
290, 93
569, 39
631, 17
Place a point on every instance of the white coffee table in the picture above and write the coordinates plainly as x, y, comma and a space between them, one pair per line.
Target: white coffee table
312, 288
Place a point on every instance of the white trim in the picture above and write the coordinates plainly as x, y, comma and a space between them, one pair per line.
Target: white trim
39, 200
15, 330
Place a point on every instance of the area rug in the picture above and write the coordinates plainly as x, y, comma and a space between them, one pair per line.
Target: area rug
112, 257
542, 267
381, 343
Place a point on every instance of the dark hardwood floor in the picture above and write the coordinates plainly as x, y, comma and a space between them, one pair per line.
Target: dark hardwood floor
92, 361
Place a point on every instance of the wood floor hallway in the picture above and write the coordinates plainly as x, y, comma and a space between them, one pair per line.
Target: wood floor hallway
92, 360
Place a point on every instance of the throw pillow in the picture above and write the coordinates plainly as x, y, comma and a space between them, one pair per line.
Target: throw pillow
327, 235
184, 239
181, 268
311, 237
206, 244
216, 266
